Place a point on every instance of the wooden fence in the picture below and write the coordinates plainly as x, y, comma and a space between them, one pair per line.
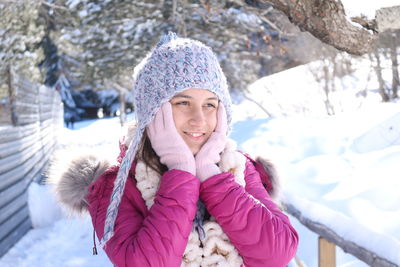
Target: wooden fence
329, 239
31, 117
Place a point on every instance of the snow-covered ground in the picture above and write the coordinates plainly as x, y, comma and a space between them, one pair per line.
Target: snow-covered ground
340, 170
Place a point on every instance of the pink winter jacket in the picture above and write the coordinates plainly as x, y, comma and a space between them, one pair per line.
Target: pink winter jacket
261, 233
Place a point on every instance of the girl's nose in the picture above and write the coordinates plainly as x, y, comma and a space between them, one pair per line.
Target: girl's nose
197, 117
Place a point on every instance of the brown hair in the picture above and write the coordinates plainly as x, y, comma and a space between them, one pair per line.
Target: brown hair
147, 154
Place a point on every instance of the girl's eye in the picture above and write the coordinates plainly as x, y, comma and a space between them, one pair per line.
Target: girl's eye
210, 105
182, 103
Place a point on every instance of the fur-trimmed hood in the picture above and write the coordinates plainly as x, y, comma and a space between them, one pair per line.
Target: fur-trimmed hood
71, 177
71, 173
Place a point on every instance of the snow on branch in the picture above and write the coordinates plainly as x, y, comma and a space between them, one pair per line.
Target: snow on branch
388, 18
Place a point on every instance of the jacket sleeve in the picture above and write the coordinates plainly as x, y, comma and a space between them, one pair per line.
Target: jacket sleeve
155, 237
254, 224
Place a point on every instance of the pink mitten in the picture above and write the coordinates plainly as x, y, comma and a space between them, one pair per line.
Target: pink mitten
209, 154
167, 143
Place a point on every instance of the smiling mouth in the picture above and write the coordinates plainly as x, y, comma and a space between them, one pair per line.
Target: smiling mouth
194, 134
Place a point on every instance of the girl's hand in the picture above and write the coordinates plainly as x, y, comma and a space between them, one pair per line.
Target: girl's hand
209, 154
167, 143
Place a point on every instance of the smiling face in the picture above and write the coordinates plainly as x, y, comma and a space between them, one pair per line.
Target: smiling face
195, 116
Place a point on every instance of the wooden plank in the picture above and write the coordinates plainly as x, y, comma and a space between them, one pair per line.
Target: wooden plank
12, 192
27, 98
45, 127
15, 219
11, 133
46, 115
5, 119
25, 108
45, 141
26, 104
45, 91
47, 123
46, 136
46, 97
41, 167
14, 147
16, 234
38, 170
48, 132
23, 119
12, 161
11, 93
5, 113
28, 88
46, 106
21, 93
14, 175
326, 253
18, 78
48, 149
13, 206
36, 173
24, 84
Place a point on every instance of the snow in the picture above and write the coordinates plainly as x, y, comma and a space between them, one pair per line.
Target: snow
72, 3
68, 242
45, 204
355, 8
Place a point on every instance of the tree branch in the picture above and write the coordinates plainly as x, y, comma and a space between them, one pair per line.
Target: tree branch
326, 20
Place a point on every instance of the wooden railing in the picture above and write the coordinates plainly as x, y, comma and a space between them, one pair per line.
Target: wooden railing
31, 117
329, 239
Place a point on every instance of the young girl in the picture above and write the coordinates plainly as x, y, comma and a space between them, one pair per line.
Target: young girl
181, 194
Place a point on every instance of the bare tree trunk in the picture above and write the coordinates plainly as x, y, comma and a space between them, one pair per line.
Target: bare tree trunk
122, 92
323, 80
11, 93
332, 81
326, 20
328, 105
395, 64
122, 115
257, 103
378, 71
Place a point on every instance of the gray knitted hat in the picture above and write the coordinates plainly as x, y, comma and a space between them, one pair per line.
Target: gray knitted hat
174, 65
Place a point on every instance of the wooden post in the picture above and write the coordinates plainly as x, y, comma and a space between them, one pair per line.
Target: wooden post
12, 95
326, 253
122, 115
